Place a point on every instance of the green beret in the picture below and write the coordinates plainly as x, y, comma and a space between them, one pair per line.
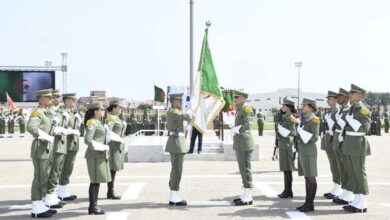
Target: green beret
355, 88
343, 92
56, 93
96, 105
308, 102
331, 94
178, 96
288, 102
44, 93
117, 102
69, 96
240, 93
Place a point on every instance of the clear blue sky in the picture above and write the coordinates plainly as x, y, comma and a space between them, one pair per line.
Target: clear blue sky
125, 47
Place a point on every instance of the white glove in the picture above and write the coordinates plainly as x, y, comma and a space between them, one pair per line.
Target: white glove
341, 138
116, 138
45, 136
55, 120
341, 122
236, 129
294, 149
100, 147
59, 130
189, 112
355, 124
70, 131
66, 115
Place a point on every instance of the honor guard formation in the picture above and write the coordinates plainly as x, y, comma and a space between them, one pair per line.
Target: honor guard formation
57, 124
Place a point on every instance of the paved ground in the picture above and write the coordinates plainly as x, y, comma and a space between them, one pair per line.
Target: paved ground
208, 186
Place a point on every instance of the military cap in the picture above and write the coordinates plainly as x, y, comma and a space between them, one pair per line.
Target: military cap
331, 94
44, 93
178, 96
96, 105
56, 93
69, 96
240, 93
308, 102
343, 92
355, 88
117, 102
288, 102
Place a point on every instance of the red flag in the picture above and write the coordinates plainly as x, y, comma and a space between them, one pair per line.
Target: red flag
10, 103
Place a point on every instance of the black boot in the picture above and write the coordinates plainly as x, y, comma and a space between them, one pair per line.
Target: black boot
284, 193
289, 192
307, 194
93, 196
110, 185
309, 207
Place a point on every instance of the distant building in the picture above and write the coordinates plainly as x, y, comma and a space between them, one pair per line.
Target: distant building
97, 96
272, 100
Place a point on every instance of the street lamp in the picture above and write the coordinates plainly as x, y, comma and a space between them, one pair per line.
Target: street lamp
299, 65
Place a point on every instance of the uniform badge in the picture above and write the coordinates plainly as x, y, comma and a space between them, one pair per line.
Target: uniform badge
315, 120
248, 109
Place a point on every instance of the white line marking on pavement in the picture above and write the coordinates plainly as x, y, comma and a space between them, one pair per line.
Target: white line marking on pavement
386, 204
126, 184
266, 190
298, 215
133, 191
27, 206
117, 216
209, 203
195, 176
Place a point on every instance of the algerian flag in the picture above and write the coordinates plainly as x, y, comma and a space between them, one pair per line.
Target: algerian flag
159, 94
206, 98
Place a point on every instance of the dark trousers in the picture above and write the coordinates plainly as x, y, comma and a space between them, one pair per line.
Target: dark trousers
195, 133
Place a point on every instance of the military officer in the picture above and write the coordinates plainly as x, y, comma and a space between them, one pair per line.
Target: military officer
22, 123
40, 127
243, 145
60, 119
11, 125
341, 159
386, 120
286, 132
117, 144
176, 146
308, 132
71, 144
327, 144
2, 124
96, 137
357, 148
378, 122
260, 122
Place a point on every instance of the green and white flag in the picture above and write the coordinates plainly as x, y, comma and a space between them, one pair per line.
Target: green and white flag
206, 98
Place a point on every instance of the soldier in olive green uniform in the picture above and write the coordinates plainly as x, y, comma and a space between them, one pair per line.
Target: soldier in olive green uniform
357, 148
327, 144
260, 122
243, 144
22, 123
286, 132
117, 144
176, 146
2, 124
59, 150
308, 132
97, 154
386, 120
40, 127
74, 122
346, 182
11, 125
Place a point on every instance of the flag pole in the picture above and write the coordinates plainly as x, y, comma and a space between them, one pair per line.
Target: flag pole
191, 45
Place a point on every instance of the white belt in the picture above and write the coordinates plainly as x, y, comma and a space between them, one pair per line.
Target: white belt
338, 130
351, 133
329, 132
181, 134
